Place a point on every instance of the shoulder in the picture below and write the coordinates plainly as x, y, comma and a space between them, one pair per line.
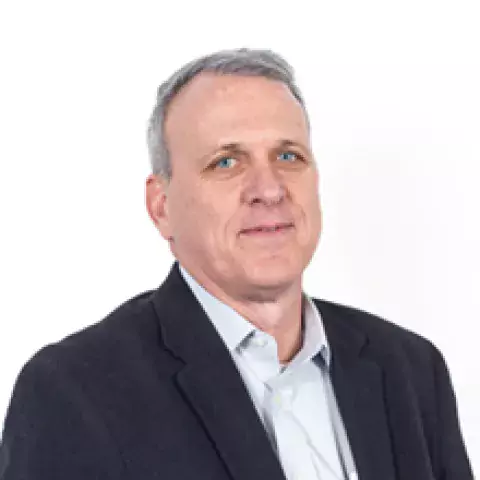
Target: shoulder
407, 359
368, 323
70, 394
102, 348
384, 337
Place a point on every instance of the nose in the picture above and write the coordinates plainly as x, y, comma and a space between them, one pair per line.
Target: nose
264, 185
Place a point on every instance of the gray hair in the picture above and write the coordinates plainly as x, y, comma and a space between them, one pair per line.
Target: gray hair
242, 61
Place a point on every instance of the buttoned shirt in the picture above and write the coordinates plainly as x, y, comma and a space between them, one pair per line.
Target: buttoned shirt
295, 401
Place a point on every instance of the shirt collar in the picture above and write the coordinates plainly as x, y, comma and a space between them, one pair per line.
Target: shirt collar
314, 336
234, 329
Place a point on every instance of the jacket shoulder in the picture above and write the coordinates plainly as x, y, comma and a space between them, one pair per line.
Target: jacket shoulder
116, 340
72, 386
383, 335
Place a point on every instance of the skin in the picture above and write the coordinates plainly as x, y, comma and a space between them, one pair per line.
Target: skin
241, 160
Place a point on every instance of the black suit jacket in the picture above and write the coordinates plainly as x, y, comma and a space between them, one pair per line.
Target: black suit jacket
151, 392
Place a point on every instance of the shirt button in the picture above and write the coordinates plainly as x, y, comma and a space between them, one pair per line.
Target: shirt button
284, 397
259, 341
278, 399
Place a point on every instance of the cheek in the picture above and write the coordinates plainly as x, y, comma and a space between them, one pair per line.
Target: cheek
309, 199
316, 212
312, 216
183, 215
203, 217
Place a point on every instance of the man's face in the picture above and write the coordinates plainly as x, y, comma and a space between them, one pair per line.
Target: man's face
241, 209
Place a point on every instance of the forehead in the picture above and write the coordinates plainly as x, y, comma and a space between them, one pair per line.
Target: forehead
214, 109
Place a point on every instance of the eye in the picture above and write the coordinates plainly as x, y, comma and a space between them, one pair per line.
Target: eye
288, 157
225, 163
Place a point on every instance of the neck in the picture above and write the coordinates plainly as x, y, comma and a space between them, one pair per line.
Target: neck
280, 318
278, 312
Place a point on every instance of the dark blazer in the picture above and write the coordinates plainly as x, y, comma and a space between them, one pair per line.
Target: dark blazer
151, 392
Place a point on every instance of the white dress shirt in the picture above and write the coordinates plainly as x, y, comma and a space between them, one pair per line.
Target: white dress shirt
295, 402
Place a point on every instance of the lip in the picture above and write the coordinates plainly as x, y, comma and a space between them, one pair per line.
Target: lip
268, 229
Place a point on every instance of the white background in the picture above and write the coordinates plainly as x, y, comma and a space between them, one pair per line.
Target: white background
393, 93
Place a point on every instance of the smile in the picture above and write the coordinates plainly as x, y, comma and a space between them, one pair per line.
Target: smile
268, 230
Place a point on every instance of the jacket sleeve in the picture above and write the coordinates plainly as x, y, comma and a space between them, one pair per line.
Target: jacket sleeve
453, 456
52, 431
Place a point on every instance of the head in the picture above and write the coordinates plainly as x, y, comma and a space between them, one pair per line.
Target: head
234, 185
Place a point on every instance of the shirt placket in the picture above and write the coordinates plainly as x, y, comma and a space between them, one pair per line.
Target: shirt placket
293, 450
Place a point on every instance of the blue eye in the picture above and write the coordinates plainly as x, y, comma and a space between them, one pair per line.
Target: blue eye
226, 162
287, 157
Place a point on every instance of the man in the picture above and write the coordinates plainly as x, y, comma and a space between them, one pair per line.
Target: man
228, 370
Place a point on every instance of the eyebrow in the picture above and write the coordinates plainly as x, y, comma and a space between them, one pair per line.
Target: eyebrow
239, 147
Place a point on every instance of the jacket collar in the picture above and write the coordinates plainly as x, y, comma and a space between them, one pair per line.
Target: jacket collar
212, 384
214, 388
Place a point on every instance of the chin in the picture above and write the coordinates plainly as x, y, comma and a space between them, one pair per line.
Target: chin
274, 273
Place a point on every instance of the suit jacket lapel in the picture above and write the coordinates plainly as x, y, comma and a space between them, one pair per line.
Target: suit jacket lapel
359, 389
212, 384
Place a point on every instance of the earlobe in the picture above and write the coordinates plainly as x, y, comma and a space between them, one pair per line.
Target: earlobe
157, 204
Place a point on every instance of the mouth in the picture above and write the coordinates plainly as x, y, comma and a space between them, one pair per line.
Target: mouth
268, 230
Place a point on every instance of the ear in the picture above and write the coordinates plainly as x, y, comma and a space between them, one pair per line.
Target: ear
157, 204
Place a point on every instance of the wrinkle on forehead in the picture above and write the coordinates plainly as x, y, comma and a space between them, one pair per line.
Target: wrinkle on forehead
214, 109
